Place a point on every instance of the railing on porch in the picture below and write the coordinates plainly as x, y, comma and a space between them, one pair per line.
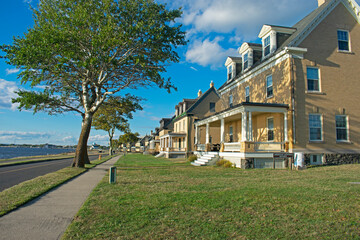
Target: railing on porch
232, 147
201, 147
166, 149
269, 146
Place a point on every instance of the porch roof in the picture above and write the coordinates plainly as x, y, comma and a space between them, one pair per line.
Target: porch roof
174, 135
244, 107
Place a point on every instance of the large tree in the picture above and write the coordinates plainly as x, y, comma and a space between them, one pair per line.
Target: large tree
114, 114
83, 51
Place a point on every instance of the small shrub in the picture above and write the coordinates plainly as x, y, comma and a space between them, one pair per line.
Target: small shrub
224, 163
192, 158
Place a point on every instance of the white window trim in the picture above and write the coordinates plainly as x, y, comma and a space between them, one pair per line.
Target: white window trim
230, 72
349, 41
247, 94
263, 46
319, 75
347, 129
272, 85
317, 163
267, 129
243, 61
322, 127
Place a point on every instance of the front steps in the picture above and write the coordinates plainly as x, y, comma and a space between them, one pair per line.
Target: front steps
160, 155
207, 159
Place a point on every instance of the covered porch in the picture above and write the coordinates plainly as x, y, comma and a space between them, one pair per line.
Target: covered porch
248, 130
173, 145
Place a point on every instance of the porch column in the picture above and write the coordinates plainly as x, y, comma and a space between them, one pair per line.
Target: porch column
222, 131
244, 127
207, 133
250, 127
196, 134
286, 127
170, 142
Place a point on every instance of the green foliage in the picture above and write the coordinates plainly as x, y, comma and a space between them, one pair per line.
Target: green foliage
224, 163
192, 158
129, 138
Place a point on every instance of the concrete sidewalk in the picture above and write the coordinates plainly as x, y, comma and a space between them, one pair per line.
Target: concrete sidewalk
48, 216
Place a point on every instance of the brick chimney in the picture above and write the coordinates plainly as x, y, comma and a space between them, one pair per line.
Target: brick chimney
321, 2
199, 93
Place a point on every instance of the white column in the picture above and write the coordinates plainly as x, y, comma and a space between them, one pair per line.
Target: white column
250, 127
244, 126
196, 134
207, 133
170, 142
222, 131
286, 127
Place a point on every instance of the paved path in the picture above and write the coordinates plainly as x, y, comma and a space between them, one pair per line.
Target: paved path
48, 216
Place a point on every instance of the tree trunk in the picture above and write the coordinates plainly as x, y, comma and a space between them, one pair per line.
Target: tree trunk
110, 146
81, 155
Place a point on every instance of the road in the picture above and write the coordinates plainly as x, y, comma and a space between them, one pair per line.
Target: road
13, 175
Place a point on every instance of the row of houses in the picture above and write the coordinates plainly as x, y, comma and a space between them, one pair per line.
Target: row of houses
296, 92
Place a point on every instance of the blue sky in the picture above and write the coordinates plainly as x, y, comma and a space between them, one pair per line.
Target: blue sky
215, 29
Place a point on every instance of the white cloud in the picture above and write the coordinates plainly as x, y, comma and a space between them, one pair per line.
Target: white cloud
69, 140
11, 136
7, 92
98, 138
194, 69
209, 53
11, 71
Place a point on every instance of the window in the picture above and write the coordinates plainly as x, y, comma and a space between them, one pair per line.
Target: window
269, 86
230, 72
270, 129
247, 94
315, 127
315, 159
246, 61
212, 107
179, 126
341, 128
312, 75
231, 134
230, 100
343, 40
179, 142
267, 46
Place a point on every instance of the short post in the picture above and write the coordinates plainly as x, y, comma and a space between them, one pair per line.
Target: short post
99, 157
112, 175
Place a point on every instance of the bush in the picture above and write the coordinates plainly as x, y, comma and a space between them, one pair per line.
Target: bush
224, 163
192, 158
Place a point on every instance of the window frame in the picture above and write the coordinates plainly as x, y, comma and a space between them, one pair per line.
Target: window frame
270, 86
311, 79
245, 62
247, 94
212, 107
231, 134
231, 100
318, 157
270, 130
267, 46
346, 128
321, 127
341, 40
230, 72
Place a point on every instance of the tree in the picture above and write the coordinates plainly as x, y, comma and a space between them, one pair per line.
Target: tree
129, 138
84, 51
113, 115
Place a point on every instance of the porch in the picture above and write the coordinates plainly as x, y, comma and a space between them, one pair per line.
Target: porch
248, 130
173, 145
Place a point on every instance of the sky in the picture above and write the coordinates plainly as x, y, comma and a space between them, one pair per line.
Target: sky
215, 30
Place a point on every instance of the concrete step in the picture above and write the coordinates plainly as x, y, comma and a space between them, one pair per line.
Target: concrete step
195, 164
199, 162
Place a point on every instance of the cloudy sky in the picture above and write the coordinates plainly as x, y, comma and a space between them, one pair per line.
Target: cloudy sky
215, 29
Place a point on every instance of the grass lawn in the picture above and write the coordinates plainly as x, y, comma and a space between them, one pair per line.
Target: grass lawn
170, 199
22, 193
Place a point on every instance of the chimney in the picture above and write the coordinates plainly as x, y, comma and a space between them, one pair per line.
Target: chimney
211, 84
199, 93
321, 2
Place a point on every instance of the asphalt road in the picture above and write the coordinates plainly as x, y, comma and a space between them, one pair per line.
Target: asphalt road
13, 175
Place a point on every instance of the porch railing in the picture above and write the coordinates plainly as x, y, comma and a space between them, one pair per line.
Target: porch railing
166, 149
201, 147
232, 147
269, 146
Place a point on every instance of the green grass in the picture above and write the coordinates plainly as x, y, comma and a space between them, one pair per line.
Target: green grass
170, 199
22, 193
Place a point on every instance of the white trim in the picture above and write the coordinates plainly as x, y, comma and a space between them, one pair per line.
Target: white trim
267, 129
347, 129
288, 52
349, 40
319, 80
322, 127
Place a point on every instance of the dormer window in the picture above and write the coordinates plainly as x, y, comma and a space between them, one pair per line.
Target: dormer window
230, 72
267, 46
246, 61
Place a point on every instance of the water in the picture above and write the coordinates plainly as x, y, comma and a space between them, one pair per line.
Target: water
12, 152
